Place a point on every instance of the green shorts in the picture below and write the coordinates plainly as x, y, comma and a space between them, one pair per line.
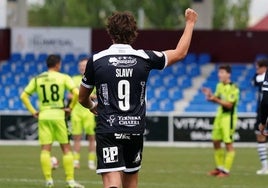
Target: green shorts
83, 122
52, 130
224, 128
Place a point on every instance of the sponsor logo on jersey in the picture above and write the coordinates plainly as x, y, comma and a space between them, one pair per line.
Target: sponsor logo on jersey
125, 61
137, 158
122, 136
110, 154
111, 120
129, 121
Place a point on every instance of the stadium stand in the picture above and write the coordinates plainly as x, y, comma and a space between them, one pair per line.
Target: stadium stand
176, 88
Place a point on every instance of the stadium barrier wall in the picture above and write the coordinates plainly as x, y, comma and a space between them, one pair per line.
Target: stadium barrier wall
5, 38
230, 46
164, 127
223, 45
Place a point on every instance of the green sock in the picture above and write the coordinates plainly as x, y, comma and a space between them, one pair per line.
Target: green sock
219, 158
76, 156
46, 164
68, 166
229, 158
91, 156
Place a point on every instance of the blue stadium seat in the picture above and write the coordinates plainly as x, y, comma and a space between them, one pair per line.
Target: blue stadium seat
248, 96
150, 93
162, 94
205, 107
194, 71
242, 108
261, 56
69, 57
179, 69
15, 57
170, 81
175, 94
156, 81
204, 58
154, 106
22, 81
190, 58
18, 68
9, 80
3, 104
82, 56
29, 57
187, 82
166, 105
5, 68
15, 104
42, 57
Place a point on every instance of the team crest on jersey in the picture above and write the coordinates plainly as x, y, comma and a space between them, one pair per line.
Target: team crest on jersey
125, 61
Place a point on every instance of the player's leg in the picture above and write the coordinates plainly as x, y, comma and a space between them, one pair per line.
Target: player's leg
262, 151
89, 127
228, 126
76, 147
92, 152
110, 159
130, 180
90, 131
45, 139
111, 179
77, 137
61, 135
261, 147
45, 160
218, 150
133, 149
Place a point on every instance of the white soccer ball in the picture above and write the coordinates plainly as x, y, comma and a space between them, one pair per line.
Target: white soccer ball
54, 162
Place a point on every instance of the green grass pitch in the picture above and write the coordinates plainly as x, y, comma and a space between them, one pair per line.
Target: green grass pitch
169, 167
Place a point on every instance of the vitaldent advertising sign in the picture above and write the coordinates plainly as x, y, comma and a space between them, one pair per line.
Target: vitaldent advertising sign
198, 128
51, 40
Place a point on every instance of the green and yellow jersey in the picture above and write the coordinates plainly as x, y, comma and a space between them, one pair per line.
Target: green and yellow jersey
50, 87
227, 92
78, 107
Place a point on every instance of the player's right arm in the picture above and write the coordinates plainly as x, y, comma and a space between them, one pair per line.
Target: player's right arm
184, 43
25, 97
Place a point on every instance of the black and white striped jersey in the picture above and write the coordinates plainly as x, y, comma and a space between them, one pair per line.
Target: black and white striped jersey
119, 74
264, 100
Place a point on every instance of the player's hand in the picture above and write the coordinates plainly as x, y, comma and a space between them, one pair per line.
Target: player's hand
190, 15
207, 92
262, 129
35, 115
67, 112
93, 109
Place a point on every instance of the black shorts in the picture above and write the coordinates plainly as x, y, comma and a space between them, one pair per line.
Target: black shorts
119, 152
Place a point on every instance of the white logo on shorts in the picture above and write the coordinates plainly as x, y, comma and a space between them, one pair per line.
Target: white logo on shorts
110, 154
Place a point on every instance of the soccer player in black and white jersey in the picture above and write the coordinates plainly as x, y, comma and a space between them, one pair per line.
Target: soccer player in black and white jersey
264, 106
261, 68
119, 74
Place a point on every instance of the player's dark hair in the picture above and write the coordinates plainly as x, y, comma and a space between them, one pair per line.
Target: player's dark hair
83, 59
122, 27
53, 60
227, 68
262, 62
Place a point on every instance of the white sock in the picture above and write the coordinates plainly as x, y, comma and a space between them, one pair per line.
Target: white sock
262, 150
